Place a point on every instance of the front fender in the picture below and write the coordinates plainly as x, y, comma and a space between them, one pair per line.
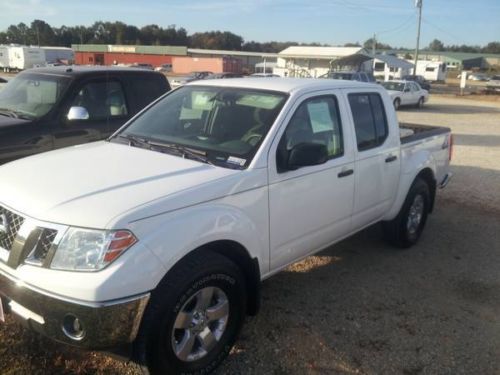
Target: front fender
173, 235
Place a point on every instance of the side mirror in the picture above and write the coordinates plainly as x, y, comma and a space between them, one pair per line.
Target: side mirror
78, 113
307, 154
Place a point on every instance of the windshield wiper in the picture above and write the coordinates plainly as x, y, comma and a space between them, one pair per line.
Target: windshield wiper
8, 113
136, 141
183, 151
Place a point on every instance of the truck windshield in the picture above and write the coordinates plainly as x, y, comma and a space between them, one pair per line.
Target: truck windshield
222, 125
31, 96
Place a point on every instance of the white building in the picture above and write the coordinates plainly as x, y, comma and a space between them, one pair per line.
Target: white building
434, 71
387, 67
306, 61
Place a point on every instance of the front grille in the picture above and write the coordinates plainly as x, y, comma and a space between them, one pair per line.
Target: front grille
13, 223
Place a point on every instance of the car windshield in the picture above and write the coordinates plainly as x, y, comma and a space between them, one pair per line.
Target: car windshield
31, 96
394, 86
221, 125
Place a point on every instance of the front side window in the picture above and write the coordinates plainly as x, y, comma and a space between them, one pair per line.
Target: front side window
370, 121
31, 96
223, 125
316, 120
102, 100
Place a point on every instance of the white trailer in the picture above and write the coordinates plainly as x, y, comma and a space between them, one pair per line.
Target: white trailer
4, 58
55, 55
432, 70
21, 58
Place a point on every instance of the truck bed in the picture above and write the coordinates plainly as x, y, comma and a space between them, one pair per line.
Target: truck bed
417, 132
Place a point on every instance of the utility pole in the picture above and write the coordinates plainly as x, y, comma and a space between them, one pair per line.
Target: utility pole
418, 4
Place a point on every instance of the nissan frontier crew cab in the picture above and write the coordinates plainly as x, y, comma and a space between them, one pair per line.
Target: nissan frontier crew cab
48, 108
159, 237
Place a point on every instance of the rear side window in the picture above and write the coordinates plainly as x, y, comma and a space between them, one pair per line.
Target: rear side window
370, 121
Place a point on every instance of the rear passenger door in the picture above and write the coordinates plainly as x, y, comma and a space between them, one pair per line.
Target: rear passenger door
377, 164
311, 206
107, 107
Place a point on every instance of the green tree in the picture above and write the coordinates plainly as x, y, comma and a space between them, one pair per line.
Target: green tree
436, 45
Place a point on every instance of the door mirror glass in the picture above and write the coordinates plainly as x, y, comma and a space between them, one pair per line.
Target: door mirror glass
307, 154
78, 113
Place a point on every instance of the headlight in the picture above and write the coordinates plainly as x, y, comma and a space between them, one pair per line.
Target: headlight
90, 250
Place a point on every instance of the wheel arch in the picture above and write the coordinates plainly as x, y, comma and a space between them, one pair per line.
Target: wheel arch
427, 174
249, 267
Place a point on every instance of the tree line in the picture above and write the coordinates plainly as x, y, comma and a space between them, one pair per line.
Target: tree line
41, 33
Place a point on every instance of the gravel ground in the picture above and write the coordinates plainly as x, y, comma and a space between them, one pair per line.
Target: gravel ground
362, 307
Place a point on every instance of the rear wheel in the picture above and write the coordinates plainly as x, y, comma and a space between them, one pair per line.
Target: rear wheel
193, 317
405, 229
397, 103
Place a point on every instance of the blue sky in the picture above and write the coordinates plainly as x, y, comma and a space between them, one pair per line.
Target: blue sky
325, 21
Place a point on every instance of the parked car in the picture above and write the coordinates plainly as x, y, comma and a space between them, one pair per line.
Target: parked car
494, 83
263, 75
213, 188
224, 75
406, 93
193, 76
142, 66
350, 76
3, 82
478, 77
164, 68
422, 82
48, 108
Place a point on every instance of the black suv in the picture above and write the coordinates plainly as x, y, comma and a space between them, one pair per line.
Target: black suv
48, 108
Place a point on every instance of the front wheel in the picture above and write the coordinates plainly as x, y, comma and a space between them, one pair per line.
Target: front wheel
397, 103
193, 317
405, 229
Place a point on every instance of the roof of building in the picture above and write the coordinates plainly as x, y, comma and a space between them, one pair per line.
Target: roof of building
320, 52
394, 62
287, 85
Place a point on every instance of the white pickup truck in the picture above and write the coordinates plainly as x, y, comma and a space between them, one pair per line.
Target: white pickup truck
159, 237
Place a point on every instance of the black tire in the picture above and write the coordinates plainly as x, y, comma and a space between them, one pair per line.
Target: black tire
154, 345
420, 103
397, 103
398, 231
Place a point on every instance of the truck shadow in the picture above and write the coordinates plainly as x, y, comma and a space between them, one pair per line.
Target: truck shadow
362, 306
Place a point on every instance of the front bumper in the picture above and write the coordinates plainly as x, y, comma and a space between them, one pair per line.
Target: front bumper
105, 325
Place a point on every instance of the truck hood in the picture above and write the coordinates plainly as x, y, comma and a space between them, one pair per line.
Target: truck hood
102, 184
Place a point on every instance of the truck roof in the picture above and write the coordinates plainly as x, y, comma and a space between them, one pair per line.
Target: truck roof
287, 85
79, 70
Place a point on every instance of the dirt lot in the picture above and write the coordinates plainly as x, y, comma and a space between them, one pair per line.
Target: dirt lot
362, 307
